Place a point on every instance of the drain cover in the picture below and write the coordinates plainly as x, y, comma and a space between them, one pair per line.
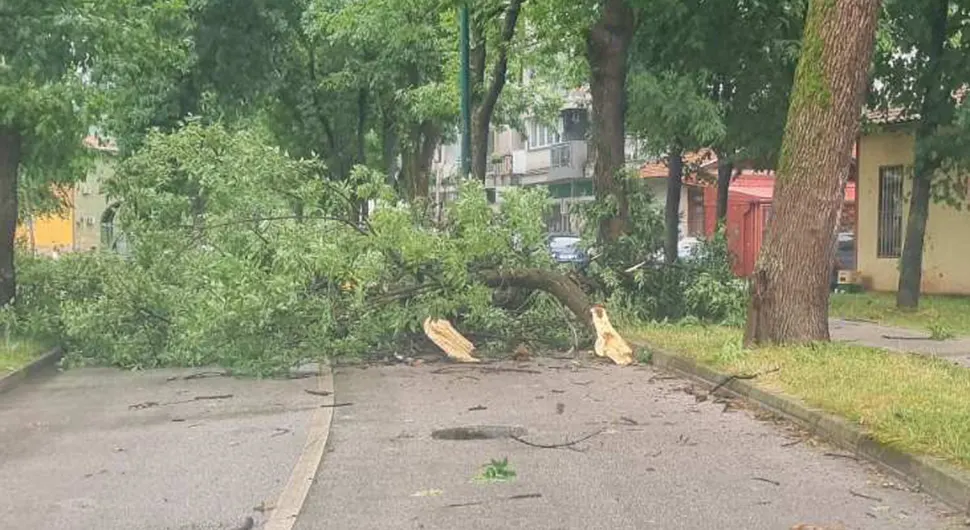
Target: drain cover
478, 432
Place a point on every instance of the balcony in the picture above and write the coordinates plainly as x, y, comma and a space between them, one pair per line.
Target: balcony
567, 160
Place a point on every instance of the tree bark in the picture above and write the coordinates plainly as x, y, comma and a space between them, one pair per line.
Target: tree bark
562, 287
789, 289
725, 171
10, 146
926, 161
607, 48
675, 180
483, 112
423, 141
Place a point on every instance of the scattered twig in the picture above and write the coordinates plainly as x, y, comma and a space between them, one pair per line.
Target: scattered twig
899, 337
322, 393
209, 398
628, 421
477, 408
335, 405
768, 480
557, 446
482, 367
841, 455
864, 496
581, 383
743, 377
279, 431
464, 504
145, 405
796, 442
525, 496
198, 375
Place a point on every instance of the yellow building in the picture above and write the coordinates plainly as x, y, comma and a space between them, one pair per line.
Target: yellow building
78, 227
885, 168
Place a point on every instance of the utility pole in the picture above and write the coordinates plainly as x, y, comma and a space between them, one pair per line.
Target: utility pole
464, 77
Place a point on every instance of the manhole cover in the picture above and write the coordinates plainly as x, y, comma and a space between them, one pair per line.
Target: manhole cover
478, 432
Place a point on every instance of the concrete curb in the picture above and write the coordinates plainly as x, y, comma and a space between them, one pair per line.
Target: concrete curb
934, 476
13, 379
294, 494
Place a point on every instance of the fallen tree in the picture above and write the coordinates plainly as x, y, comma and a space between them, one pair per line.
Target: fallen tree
245, 257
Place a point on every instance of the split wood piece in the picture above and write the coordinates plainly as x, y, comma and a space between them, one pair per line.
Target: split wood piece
609, 343
445, 336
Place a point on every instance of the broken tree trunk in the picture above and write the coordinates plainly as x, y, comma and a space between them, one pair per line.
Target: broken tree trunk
446, 337
560, 286
609, 343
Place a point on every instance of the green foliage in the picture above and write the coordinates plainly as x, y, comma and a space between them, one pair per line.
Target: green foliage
631, 276
245, 257
497, 471
939, 331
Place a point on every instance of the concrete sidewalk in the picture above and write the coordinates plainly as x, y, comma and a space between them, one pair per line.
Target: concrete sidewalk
661, 458
105, 449
956, 350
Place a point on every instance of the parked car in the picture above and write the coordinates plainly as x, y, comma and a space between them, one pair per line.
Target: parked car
844, 255
565, 249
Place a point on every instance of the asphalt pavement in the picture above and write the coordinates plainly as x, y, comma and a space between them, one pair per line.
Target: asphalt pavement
656, 457
102, 449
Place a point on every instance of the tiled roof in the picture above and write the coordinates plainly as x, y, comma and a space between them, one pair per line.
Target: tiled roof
693, 163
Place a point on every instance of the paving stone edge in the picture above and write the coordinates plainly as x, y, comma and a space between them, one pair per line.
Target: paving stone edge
940, 479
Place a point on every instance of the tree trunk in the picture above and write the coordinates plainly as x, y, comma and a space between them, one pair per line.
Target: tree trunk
9, 164
416, 173
483, 112
725, 170
925, 164
675, 180
389, 146
607, 48
562, 287
789, 290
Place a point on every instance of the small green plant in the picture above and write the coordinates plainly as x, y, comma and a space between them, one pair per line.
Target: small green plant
939, 331
644, 356
497, 471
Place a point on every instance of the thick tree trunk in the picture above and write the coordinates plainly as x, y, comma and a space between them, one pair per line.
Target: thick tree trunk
566, 290
925, 163
483, 112
789, 293
725, 170
9, 164
607, 48
675, 180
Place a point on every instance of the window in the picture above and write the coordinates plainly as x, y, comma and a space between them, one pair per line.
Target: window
890, 228
541, 135
695, 212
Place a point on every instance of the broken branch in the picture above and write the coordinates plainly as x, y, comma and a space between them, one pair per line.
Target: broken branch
557, 446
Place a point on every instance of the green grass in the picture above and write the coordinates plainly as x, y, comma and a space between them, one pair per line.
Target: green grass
17, 353
916, 404
941, 313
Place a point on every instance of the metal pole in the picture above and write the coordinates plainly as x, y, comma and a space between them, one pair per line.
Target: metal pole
466, 112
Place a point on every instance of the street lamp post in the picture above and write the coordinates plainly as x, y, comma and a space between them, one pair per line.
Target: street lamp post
464, 81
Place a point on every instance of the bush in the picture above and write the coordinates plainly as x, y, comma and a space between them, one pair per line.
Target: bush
632, 276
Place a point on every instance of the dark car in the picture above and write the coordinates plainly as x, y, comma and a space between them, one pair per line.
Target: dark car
566, 249
844, 255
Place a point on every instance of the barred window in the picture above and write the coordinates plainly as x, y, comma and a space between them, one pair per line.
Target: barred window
890, 227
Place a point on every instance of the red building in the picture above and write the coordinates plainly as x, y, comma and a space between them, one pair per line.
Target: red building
748, 213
